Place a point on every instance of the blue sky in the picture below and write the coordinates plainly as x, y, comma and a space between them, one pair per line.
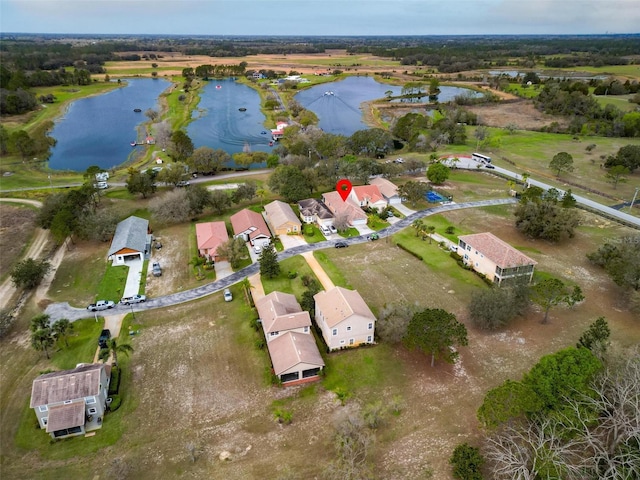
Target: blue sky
321, 17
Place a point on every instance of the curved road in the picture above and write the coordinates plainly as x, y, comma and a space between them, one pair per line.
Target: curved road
64, 310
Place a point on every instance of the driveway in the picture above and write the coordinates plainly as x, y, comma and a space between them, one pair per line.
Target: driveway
318, 270
132, 287
223, 269
406, 211
364, 230
290, 241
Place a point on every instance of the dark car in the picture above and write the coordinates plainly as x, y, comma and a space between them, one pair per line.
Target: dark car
341, 245
488, 165
105, 335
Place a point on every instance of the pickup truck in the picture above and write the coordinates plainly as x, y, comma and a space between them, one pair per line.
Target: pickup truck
101, 305
134, 299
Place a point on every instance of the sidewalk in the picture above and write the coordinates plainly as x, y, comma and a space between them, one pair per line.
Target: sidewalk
318, 270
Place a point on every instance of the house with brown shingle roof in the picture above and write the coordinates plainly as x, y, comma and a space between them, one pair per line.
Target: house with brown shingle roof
251, 227
494, 258
344, 318
314, 211
281, 218
210, 236
291, 344
368, 196
388, 190
348, 208
71, 402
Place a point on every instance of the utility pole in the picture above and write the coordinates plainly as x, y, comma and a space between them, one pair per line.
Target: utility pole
634, 199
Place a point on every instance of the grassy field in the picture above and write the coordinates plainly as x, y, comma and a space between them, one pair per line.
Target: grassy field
296, 265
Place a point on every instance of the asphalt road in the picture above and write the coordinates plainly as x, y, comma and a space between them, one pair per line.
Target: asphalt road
63, 310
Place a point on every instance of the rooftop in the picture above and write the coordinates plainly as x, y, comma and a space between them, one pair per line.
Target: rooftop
83, 381
496, 250
339, 304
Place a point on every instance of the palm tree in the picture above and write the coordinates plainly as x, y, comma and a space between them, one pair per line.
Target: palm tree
418, 225
113, 348
61, 329
42, 339
430, 229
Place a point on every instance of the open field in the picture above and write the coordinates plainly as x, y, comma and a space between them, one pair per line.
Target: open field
17, 224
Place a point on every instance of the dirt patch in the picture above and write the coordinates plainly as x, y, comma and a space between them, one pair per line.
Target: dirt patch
174, 260
17, 224
522, 114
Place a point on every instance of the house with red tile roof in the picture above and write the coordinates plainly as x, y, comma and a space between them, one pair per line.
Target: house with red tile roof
251, 227
494, 258
209, 237
388, 190
368, 196
344, 318
338, 207
290, 341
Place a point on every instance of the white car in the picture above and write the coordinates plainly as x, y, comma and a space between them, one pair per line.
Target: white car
257, 249
227, 295
325, 230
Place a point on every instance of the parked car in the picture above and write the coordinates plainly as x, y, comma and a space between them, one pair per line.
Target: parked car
101, 305
104, 337
399, 160
325, 230
183, 183
134, 299
488, 165
227, 295
341, 245
373, 236
257, 249
101, 185
390, 214
333, 229
156, 270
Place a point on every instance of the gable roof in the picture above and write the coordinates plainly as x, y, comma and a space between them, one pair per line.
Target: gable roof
83, 381
280, 311
338, 304
130, 233
291, 349
65, 416
248, 221
312, 207
334, 202
280, 213
367, 193
211, 235
387, 188
496, 250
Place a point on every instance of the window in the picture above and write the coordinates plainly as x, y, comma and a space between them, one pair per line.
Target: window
43, 408
334, 332
466, 257
306, 329
370, 326
273, 334
476, 264
67, 402
342, 342
351, 341
44, 421
92, 411
348, 328
369, 339
90, 400
468, 248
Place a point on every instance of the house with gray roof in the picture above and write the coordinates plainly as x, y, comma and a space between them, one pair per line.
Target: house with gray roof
131, 241
314, 211
71, 402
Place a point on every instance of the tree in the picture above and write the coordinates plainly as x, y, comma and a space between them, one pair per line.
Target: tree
629, 156
269, 266
539, 217
152, 114
208, 161
596, 337
438, 173
219, 201
113, 348
372, 142
621, 260
353, 442
290, 183
42, 338
562, 161
413, 191
172, 207
418, 225
435, 332
466, 462
430, 229
173, 174
549, 293
245, 191
233, 250
62, 329
481, 133
199, 198
494, 308
28, 273
20, 142
617, 174
510, 401
394, 320
141, 182
182, 146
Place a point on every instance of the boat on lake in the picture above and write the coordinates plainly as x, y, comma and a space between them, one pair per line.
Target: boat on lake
242, 109
137, 110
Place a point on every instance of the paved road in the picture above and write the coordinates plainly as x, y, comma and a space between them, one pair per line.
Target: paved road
64, 310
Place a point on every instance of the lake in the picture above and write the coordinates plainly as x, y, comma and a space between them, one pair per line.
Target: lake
99, 130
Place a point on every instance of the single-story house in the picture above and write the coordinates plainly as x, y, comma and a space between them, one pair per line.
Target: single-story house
210, 236
338, 207
251, 227
494, 258
290, 341
71, 402
131, 241
280, 312
314, 211
344, 318
368, 196
281, 218
388, 190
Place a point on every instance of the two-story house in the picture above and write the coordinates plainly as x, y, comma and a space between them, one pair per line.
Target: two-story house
290, 341
494, 258
71, 402
344, 318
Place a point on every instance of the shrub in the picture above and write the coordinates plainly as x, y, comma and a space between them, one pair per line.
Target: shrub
259, 343
466, 462
283, 416
115, 403
417, 255
450, 230
114, 385
292, 275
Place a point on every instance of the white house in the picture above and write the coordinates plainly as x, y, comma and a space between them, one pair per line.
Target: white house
344, 318
131, 241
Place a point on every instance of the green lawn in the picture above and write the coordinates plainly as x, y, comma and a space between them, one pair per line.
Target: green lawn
112, 285
312, 233
283, 283
335, 273
83, 342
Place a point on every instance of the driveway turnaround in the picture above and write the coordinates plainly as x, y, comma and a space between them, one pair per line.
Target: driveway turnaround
64, 310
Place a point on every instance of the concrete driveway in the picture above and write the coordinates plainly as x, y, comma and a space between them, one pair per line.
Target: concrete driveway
132, 286
406, 211
291, 241
223, 269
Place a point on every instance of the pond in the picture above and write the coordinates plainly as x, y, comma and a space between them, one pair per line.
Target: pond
447, 94
228, 117
99, 130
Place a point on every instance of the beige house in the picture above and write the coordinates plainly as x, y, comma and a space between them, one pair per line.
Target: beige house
388, 190
281, 218
209, 237
344, 318
344, 208
291, 344
497, 260
71, 402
